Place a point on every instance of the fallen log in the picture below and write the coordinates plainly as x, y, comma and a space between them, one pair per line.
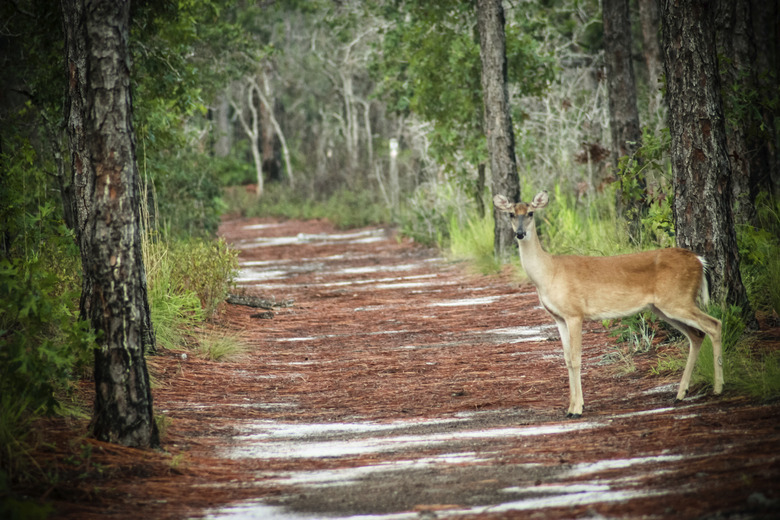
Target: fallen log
257, 301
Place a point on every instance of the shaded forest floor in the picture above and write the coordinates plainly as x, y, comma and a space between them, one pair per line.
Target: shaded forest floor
398, 385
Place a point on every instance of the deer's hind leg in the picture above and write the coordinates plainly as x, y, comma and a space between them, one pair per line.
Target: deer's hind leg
695, 337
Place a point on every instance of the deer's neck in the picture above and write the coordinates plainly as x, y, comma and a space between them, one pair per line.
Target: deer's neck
536, 261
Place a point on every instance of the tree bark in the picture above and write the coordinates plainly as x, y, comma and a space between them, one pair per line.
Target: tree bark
270, 144
623, 112
246, 94
224, 132
702, 172
498, 119
650, 22
765, 163
734, 41
106, 185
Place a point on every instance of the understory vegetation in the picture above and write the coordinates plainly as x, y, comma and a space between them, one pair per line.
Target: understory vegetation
46, 349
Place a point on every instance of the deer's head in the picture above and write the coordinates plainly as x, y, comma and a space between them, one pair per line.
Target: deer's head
521, 214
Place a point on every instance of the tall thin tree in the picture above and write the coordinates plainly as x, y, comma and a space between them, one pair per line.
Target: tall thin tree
700, 163
734, 41
103, 159
623, 112
498, 119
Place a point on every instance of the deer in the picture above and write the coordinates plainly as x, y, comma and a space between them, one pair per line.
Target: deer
576, 288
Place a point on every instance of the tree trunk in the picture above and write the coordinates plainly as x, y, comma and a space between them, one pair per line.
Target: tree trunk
702, 173
498, 120
650, 22
734, 41
270, 109
765, 162
224, 132
623, 112
270, 145
246, 95
106, 184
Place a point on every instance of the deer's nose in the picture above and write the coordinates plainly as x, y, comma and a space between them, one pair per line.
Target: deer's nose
520, 235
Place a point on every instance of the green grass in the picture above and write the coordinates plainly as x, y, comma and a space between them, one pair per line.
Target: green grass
175, 310
583, 229
473, 242
187, 281
219, 345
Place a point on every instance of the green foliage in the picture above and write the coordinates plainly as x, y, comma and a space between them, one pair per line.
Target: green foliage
638, 331
747, 370
13, 507
759, 250
233, 170
187, 279
179, 52
205, 267
345, 208
183, 53
472, 240
42, 340
429, 64
569, 228
187, 195
644, 178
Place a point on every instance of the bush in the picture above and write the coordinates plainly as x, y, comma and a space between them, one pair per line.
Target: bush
187, 195
42, 340
206, 268
759, 249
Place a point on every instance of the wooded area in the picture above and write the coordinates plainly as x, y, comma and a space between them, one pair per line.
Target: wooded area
127, 129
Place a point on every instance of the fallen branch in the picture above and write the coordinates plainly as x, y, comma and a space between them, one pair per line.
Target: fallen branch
257, 302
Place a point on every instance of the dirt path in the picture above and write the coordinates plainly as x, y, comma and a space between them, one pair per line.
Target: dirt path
398, 386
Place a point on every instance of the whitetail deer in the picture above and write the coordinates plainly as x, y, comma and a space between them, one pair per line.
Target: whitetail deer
577, 288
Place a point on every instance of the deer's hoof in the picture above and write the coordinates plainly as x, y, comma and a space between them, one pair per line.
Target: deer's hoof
573, 415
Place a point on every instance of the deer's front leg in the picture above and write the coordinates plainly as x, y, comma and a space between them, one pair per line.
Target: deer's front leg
574, 363
564, 331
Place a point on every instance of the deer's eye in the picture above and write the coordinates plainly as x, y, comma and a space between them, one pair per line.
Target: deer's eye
530, 214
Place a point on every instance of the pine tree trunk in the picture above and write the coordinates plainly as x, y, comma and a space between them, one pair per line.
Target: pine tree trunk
765, 162
106, 184
734, 41
651, 48
623, 112
498, 120
702, 172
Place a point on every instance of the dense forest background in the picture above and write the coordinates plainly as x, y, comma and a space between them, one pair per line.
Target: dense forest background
362, 113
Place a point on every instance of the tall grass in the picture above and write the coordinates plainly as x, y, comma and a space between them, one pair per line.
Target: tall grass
584, 229
473, 241
187, 280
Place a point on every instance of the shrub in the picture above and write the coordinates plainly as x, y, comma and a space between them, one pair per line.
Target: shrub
42, 340
204, 267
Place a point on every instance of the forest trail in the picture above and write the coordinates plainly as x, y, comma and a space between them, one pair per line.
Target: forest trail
392, 384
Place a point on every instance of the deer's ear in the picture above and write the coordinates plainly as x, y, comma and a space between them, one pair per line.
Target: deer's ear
503, 204
540, 200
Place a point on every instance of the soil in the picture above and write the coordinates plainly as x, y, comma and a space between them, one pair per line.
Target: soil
386, 382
